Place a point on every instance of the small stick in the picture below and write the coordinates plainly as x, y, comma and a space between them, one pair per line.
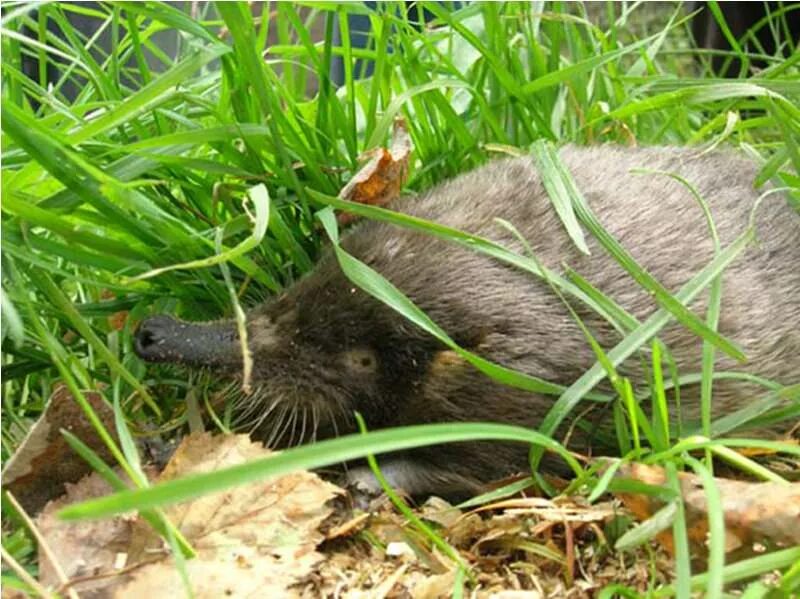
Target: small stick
23, 574
102, 575
43, 545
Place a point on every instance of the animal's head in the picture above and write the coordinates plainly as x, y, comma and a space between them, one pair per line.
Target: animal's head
320, 351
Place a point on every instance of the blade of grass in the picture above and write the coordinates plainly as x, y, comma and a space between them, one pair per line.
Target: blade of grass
559, 195
67, 308
323, 453
680, 536
647, 530
376, 285
741, 570
473, 242
641, 276
409, 514
716, 529
649, 328
260, 198
147, 98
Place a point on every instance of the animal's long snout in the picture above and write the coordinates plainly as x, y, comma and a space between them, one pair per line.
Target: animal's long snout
165, 339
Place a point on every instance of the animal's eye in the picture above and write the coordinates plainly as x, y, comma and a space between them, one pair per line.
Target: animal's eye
360, 360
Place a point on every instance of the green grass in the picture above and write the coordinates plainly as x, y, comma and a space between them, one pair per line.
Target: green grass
149, 167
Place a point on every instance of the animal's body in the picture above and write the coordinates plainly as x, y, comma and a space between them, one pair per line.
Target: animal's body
325, 348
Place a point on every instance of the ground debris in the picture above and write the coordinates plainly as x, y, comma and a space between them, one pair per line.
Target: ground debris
515, 548
44, 464
257, 539
759, 516
298, 537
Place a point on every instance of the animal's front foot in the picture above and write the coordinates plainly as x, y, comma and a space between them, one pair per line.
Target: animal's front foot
408, 478
365, 490
362, 487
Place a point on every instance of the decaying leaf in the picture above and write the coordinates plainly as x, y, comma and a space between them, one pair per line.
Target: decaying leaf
758, 516
433, 587
255, 540
264, 540
90, 553
44, 462
380, 180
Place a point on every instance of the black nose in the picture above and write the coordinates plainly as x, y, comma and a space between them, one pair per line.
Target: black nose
152, 340
165, 339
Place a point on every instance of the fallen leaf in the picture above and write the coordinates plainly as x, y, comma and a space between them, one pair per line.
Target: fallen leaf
252, 540
44, 462
255, 540
433, 587
437, 510
86, 551
758, 516
380, 180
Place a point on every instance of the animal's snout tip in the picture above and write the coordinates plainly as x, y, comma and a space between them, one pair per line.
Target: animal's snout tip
151, 335
165, 339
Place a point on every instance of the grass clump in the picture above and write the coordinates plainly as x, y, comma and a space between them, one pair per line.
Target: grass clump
136, 158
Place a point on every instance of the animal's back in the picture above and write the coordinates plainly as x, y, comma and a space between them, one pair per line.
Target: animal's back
513, 318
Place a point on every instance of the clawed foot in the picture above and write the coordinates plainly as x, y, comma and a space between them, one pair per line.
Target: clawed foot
407, 478
365, 490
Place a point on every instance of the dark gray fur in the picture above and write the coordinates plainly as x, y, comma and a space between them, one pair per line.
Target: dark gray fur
325, 348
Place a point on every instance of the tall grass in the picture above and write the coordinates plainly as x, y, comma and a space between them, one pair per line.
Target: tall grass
148, 164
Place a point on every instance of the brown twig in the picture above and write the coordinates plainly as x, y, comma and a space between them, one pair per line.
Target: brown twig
43, 544
101, 575
23, 574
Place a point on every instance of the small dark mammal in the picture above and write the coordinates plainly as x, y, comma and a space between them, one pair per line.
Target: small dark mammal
324, 348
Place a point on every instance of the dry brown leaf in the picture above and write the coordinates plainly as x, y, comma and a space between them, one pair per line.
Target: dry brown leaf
758, 516
44, 462
262, 542
87, 550
254, 540
466, 530
432, 587
380, 180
